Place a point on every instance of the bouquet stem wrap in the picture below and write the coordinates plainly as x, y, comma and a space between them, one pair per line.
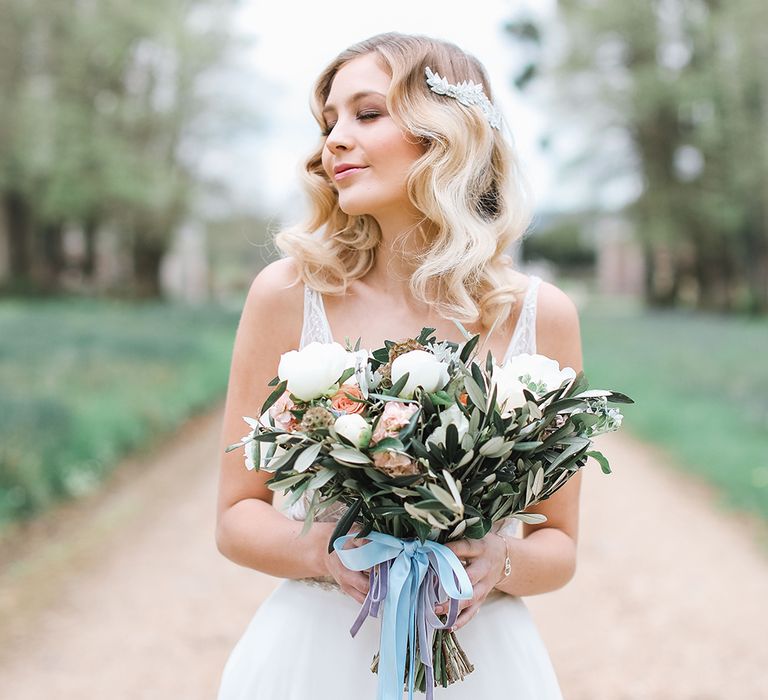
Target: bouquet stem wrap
409, 578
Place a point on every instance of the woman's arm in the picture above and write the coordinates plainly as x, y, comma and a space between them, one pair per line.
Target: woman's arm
249, 530
545, 558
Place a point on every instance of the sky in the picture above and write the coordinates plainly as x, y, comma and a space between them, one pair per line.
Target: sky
294, 41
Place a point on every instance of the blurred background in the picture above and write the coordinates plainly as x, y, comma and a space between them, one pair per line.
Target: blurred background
149, 150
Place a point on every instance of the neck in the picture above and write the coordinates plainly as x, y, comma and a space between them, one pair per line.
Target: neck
396, 254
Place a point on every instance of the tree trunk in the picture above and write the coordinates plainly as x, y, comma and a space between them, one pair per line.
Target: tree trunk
48, 264
147, 256
88, 266
19, 222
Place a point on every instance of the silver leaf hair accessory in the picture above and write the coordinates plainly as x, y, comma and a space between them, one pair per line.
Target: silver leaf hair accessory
467, 93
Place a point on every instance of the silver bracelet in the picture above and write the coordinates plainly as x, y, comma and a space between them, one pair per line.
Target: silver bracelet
507, 562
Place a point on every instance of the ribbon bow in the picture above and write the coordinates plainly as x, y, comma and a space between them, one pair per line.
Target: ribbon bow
409, 577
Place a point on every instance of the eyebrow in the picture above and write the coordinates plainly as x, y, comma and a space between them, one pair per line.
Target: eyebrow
357, 96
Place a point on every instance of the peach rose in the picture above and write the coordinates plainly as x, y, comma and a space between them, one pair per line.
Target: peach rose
393, 419
342, 404
394, 463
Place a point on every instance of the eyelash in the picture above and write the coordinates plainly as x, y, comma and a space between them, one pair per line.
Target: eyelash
362, 116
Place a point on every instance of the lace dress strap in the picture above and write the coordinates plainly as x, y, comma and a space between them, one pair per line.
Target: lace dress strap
524, 337
315, 327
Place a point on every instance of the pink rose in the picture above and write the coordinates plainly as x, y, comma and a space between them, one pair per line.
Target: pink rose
281, 413
393, 419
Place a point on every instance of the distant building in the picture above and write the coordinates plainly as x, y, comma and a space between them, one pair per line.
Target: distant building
620, 267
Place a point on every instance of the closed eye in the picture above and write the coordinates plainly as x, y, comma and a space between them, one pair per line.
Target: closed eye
362, 116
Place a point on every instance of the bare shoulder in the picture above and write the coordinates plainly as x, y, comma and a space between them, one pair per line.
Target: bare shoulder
554, 306
276, 297
279, 281
557, 326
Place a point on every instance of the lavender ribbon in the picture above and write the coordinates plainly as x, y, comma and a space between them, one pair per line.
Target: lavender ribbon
408, 578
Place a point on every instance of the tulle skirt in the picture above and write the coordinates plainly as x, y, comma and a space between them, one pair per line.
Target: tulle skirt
298, 647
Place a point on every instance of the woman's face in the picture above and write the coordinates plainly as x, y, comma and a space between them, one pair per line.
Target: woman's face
366, 155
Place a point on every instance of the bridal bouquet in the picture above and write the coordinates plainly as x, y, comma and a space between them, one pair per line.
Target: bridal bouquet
422, 444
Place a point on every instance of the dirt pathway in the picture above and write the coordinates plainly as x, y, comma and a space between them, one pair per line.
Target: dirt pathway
127, 598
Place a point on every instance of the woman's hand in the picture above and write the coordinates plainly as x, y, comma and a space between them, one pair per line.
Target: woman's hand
353, 583
483, 560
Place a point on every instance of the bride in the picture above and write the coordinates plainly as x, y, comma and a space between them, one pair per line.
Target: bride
415, 196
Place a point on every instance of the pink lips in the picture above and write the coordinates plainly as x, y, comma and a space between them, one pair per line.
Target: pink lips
346, 170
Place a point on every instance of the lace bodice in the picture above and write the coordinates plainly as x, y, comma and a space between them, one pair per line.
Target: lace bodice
316, 328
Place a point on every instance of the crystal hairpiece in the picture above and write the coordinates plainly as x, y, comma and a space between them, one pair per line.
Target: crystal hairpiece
467, 93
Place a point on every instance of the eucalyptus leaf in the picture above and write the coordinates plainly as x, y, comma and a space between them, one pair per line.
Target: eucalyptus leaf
321, 478
538, 482
283, 483
345, 523
454, 486
388, 443
307, 457
530, 518
349, 455
469, 346
398, 386
274, 396
616, 397
602, 461
474, 392
311, 511
285, 458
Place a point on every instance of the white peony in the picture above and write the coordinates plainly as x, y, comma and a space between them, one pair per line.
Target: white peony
450, 416
539, 372
509, 389
314, 370
423, 369
355, 428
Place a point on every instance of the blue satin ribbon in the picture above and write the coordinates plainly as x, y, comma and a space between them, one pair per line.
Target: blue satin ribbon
409, 577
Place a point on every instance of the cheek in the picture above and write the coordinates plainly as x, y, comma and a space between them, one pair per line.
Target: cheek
325, 161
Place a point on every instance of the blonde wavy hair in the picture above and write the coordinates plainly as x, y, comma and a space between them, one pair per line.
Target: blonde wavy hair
467, 185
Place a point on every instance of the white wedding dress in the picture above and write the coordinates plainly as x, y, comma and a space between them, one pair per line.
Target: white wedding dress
298, 645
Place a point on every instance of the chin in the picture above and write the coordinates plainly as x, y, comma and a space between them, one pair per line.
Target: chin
355, 208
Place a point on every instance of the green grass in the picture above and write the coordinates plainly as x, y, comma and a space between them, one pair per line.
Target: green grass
701, 387
83, 382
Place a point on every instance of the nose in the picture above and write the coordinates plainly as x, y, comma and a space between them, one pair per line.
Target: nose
339, 139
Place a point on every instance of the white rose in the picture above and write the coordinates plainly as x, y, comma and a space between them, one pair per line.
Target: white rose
450, 416
353, 427
539, 370
314, 370
509, 389
423, 369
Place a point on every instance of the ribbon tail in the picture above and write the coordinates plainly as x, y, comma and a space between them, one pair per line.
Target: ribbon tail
394, 632
365, 610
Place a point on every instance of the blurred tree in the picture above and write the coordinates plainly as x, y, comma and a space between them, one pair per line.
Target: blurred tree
685, 81
98, 96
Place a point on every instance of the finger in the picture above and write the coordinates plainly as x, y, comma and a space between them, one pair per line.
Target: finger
354, 593
465, 616
475, 571
466, 549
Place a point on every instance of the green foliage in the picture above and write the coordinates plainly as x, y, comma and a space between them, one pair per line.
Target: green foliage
82, 383
561, 242
98, 101
672, 96
700, 387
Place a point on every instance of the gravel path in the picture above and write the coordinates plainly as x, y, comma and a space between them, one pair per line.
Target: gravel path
126, 597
